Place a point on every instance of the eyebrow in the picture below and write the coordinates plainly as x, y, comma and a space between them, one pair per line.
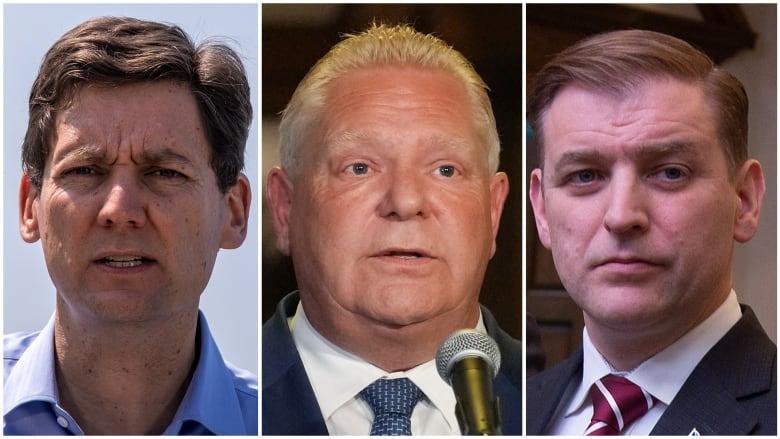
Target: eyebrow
645, 151
96, 154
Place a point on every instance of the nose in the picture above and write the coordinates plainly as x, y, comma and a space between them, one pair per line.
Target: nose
123, 205
405, 196
626, 210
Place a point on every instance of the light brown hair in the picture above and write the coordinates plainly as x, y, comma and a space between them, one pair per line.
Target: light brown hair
616, 62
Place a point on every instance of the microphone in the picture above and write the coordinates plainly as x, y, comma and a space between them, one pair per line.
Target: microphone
468, 360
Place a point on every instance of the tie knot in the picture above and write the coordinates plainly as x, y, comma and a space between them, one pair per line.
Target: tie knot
392, 396
392, 401
617, 402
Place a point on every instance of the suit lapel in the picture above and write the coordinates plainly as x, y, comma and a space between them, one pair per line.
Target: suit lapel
739, 367
288, 401
714, 411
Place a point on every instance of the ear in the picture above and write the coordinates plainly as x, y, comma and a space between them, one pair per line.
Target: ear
750, 188
540, 212
499, 189
238, 198
28, 210
280, 193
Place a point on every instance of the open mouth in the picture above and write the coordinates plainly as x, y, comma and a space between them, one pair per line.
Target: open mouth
404, 254
124, 261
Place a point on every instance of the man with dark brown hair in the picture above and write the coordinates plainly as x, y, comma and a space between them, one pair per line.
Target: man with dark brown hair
132, 182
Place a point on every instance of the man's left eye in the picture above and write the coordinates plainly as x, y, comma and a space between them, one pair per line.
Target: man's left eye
673, 173
446, 171
169, 173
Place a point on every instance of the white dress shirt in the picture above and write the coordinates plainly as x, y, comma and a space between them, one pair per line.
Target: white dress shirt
338, 376
662, 375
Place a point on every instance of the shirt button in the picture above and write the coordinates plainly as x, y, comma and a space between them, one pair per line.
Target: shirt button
62, 421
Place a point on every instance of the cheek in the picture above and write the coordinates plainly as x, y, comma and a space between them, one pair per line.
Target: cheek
59, 219
571, 224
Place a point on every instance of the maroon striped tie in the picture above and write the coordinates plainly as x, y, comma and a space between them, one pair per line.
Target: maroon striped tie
617, 402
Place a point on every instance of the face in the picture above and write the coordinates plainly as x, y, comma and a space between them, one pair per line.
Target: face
636, 202
392, 215
129, 212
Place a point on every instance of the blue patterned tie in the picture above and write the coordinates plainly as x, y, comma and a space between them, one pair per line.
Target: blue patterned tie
392, 402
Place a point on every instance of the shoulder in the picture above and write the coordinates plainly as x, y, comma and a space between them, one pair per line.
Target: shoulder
16, 344
556, 376
245, 382
18, 340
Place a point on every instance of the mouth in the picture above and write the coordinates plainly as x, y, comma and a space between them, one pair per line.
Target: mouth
626, 261
124, 261
407, 254
628, 267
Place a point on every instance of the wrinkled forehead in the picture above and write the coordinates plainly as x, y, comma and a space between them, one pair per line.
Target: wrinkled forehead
138, 117
615, 105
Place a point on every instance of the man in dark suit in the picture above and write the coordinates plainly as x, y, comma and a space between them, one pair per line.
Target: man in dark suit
388, 199
644, 186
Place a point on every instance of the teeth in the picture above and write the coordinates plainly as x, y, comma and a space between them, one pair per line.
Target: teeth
123, 261
406, 255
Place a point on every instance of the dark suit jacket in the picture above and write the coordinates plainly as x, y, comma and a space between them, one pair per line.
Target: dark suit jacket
289, 405
732, 391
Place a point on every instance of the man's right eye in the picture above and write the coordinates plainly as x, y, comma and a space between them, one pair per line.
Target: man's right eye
359, 168
584, 177
80, 171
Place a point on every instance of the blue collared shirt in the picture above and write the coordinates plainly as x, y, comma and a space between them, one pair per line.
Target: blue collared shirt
220, 400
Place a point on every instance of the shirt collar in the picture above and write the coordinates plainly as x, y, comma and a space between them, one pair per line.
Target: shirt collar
325, 362
663, 374
210, 399
33, 377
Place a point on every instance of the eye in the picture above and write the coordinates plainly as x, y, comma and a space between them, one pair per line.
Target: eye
673, 173
446, 171
167, 173
358, 168
584, 177
81, 170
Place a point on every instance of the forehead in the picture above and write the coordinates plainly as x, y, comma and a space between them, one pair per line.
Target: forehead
401, 96
140, 115
664, 111
170, 99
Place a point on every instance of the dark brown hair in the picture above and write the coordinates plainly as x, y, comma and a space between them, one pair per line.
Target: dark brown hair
112, 51
616, 62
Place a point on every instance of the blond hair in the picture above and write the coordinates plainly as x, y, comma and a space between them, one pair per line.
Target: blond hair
380, 44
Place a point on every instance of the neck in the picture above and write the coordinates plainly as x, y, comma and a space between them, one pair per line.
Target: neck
124, 378
393, 347
625, 348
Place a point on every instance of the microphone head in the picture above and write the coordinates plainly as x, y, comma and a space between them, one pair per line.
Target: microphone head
466, 343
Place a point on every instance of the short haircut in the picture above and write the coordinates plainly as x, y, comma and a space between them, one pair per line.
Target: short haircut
381, 45
617, 62
114, 51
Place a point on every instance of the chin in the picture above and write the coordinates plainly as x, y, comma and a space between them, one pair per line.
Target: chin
124, 311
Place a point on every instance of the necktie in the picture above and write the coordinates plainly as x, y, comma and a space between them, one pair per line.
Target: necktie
617, 402
392, 402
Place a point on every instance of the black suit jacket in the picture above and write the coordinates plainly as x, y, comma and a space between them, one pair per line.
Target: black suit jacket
289, 405
732, 391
